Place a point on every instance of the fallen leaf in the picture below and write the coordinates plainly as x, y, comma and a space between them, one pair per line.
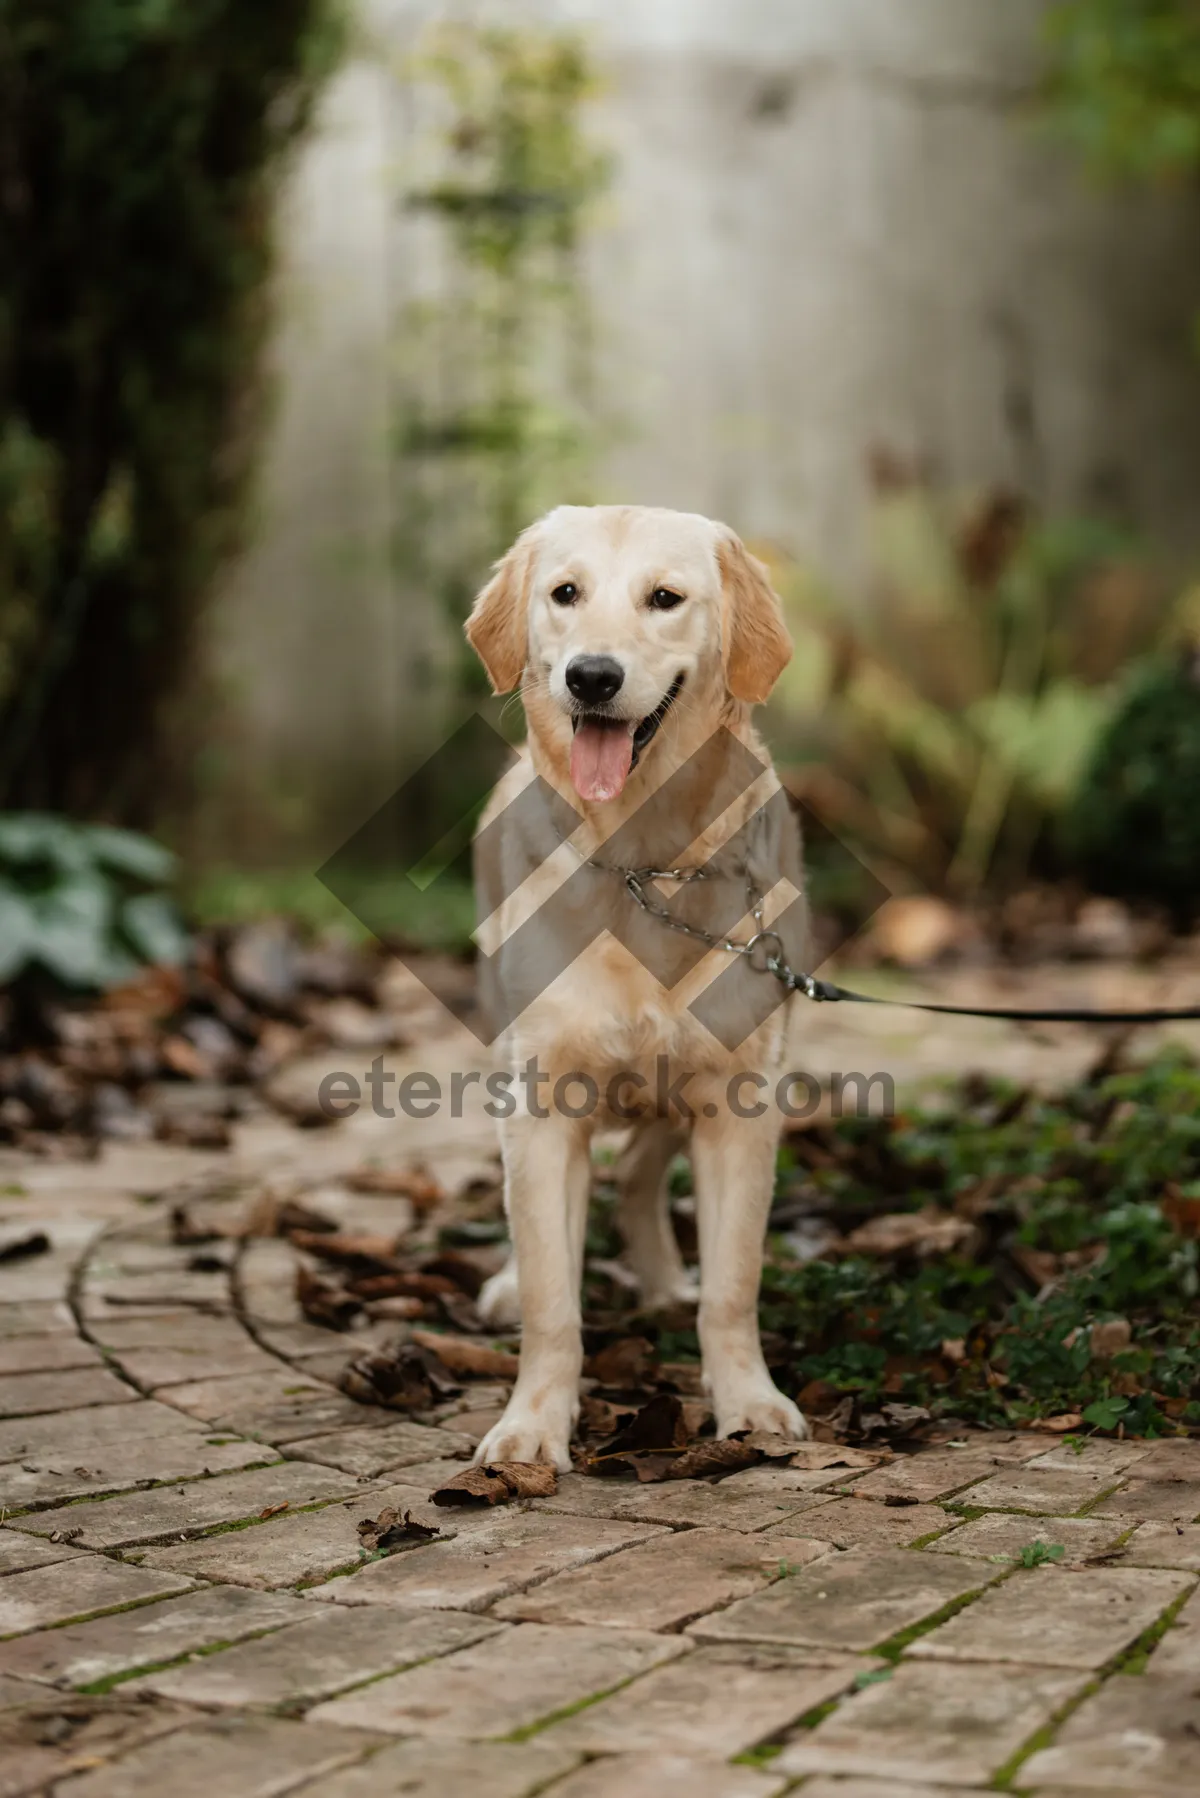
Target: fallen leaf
405, 1183
391, 1530
324, 1304
1108, 1339
274, 1510
1182, 1213
497, 1483
626, 1363
771, 1446
402, 1285
462, 1356
459, 1268
712, 1460
22, 1247
336, 1246
925, 1232
657, 1430
402, 1378
813, 1456
396, 1310
1057, 1426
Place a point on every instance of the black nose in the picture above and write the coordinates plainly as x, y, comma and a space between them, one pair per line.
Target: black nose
594, 679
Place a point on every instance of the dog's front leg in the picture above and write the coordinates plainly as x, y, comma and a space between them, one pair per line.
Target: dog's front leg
733, 1163
546, 1176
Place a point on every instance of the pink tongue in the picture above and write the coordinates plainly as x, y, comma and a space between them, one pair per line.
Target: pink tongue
600, 758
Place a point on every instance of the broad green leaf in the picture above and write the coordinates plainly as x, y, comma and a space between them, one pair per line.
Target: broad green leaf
17, 931
153, 927
127, 852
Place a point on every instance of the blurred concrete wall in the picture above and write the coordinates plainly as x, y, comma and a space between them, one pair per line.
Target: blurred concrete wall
834, 224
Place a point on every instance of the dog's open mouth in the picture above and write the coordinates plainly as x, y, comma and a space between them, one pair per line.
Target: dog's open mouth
605, 750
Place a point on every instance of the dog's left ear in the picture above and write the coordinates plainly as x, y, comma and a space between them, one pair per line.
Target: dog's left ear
754, 639
497, 627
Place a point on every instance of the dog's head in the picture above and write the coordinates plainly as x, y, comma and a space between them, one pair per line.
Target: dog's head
613, 615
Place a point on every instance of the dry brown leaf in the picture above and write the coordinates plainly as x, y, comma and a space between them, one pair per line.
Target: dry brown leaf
463, 1356
497, 1483
657, 1430
1183, 1214
627, 1362
401, 1378
274, 1510
712, 1460
391, 1530
813, 1456
395, 1310
406, 1183
336, 1246
323, 1303
925, 1232
1056, 1426
1109, 1339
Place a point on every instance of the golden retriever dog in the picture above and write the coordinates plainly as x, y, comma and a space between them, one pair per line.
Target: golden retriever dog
640, 639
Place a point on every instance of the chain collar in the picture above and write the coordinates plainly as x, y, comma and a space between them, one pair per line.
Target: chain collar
765, 945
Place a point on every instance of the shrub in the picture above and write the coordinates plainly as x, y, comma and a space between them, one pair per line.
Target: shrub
139, 140
1134, 828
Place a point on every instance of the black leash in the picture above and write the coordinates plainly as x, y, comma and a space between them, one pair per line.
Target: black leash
765, 953
825, 992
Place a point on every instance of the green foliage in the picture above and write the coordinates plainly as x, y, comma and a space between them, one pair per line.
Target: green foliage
1076, 1179
82, 903
1134, 827
948, 725
1039, 1554
1126, 82
141, 139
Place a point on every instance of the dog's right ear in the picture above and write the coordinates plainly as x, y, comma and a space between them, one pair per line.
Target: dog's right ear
497, 627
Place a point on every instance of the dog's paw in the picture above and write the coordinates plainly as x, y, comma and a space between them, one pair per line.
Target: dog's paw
764, 1408
683, 1291
499, 1301
524, 1434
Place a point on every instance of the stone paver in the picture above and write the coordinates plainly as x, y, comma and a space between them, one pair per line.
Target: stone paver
1161, 1501
854, 1600
432, 1769
666, 1776
329, 1651
922, 1477
51, 1738
1179, 1650
80, 1654
72, 1434
642, 1634
368, 1452
1162, 1545
225, 1757
76, 1588
714, 1702
1041, 1491
167, 1513
28, 1394
826, 1786
17, 1552
999, 1534
510, 1682
949, 1725
663, 1583
46, 1354
35, 1318
498, 1557
1049, 1618
846, 1521
686, 1502
289, 1551
1096, 1455
1135, 1736
119, 1466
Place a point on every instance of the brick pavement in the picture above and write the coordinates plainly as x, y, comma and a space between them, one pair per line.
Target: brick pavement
185, 1606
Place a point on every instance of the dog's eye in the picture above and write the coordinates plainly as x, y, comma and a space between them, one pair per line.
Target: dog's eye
663, 599
566, 594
